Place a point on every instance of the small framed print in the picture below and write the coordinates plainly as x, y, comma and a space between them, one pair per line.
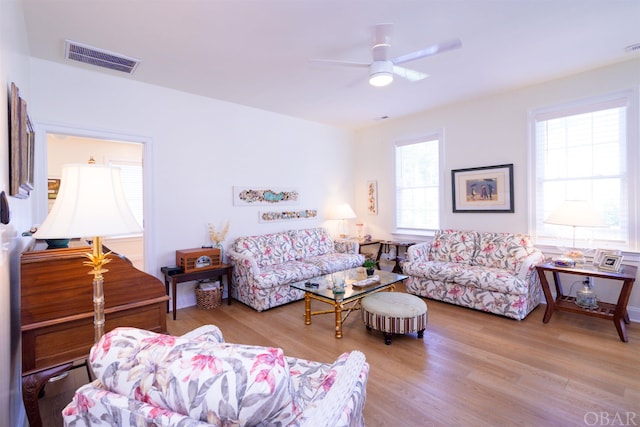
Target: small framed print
600, 253
372, 197
53, 186
611, 262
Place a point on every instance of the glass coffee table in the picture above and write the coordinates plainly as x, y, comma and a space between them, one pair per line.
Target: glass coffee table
322, 289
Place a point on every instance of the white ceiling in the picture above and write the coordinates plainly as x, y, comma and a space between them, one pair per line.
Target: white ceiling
257, 52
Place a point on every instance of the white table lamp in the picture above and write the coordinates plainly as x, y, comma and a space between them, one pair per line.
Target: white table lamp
576, 213
343, 212
90, 203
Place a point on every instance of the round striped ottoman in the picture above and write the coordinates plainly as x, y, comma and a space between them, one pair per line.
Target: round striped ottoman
394, 313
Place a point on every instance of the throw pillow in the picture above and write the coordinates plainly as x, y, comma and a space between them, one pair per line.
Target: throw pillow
219, 383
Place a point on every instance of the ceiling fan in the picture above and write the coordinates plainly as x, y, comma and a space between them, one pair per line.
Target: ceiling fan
382, 68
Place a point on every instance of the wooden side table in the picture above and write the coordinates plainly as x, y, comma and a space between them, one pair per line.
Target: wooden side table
369, 255
616, 312
210, 273
385, 245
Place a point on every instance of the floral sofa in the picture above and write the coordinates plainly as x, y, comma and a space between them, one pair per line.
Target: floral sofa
265, 265
148, 379
492, 272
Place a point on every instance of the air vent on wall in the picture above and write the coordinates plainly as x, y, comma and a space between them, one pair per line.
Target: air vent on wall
99, 57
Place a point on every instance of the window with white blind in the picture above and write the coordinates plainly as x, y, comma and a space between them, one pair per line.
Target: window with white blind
131, 175
418, 192
585, 152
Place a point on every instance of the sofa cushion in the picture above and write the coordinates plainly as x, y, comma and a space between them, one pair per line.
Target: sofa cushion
487, 278
222, 384
502, 250
453, 246
493, 279
330, 263
436, 270
311, 242
283, 274
267, 249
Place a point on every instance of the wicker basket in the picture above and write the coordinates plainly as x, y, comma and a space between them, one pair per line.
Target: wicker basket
208, 299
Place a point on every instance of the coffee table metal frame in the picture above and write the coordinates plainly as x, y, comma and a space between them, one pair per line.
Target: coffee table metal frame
343, 304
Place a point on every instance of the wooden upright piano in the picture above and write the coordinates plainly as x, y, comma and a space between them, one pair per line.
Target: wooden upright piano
57, 311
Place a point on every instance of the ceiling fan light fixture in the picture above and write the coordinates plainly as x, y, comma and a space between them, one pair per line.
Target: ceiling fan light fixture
380, 73
380, 79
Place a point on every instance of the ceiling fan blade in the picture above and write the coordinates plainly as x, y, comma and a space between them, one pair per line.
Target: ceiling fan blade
429, 51
411, 75
340, 63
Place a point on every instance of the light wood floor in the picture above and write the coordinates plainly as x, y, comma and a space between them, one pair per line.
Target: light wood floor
471, 368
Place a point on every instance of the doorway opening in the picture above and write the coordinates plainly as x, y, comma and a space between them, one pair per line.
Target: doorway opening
128, 156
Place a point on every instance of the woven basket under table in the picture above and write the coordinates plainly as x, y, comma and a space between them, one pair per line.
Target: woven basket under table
208, 299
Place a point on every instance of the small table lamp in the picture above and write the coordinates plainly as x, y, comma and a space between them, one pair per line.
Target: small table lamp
576, 213
343, 212
90, 203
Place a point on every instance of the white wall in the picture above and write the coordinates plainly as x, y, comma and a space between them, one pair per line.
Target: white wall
200, 149
14, 67
486, 131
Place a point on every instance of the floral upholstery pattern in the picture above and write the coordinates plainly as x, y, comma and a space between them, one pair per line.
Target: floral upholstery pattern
268, 249
327, 406
289, 272
213, 382
262, 272
502, 250
453, 246
311, 242
332, 262
149, 379
499, 277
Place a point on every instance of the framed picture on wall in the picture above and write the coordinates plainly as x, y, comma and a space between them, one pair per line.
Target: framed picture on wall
21, 148
483, 189
53, 186
372, 197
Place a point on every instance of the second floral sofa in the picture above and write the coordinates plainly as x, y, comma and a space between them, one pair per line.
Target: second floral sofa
487, 271
265, 265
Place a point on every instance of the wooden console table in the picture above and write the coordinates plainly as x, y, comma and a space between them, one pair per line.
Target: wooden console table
616, 312
211, 273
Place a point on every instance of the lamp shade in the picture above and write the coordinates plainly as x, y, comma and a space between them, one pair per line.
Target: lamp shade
90, 203
343, 211
577, 213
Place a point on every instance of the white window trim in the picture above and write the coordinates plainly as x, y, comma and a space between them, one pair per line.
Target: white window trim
438, 134
633, 158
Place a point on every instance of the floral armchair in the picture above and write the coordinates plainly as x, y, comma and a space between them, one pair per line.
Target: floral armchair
149, 379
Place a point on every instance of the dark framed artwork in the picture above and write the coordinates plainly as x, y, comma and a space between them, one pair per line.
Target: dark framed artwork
53, 186
483, 189
22, 147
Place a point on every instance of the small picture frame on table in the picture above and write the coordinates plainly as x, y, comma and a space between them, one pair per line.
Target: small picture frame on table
611, 262
600, 253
